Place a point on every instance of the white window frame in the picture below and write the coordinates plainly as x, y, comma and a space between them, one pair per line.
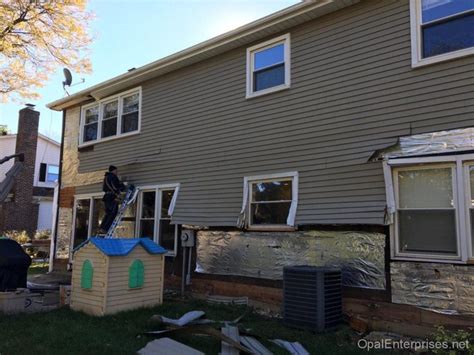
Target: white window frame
158, 189
461, 197
247, 200
90, 197
417, 41
101, 103
285, 40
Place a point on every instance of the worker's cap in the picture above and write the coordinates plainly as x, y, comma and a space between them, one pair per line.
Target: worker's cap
112, 168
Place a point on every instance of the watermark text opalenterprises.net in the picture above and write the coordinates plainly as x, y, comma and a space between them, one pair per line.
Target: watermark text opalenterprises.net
400, 344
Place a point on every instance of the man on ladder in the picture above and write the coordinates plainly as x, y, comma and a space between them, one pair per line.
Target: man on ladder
112, 186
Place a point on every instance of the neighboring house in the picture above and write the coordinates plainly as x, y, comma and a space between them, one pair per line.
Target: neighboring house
45, 174
278, 143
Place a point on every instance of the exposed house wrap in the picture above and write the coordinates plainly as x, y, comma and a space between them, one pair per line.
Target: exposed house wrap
263, 255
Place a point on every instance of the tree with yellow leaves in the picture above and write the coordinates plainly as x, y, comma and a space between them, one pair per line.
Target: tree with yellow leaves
37, 37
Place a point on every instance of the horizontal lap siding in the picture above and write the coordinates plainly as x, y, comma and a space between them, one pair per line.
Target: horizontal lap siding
89, 301
353, 91
119, 296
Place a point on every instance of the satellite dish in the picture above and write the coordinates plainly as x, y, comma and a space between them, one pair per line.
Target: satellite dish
67, 77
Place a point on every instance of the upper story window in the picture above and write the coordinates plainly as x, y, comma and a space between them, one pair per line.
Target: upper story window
112, 117
441, 30
268, 66
270, 201
48, 173
53, 173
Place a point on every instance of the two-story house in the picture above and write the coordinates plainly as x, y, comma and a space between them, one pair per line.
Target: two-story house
335, 132
40, 176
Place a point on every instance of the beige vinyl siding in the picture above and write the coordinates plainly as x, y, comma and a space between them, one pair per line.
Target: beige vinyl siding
89, 301
353, 91
119, 296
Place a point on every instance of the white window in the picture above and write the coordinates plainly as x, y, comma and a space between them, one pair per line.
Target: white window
441, 30
111, 117
268, 66
434, 208
156, 205
48, 173
270, 201
53, 173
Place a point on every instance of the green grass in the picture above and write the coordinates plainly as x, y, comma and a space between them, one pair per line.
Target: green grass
66, 332
38, 268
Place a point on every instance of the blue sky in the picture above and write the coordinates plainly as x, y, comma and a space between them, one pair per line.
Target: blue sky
133, 33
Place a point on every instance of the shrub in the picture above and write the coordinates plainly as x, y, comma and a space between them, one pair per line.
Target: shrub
21, 237
42, 234
458, 336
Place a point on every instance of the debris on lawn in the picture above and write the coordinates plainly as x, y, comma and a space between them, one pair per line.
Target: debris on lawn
215, 299
199, 330
187, 318
254, 345
233, 333
167, 346
293, 348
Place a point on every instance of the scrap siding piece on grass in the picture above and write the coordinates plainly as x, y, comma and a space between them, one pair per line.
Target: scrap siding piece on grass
233, 333
187, 318
254, 346
293, 348
167, 346
126, 274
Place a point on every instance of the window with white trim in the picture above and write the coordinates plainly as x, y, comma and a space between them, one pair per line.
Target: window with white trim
270, 201
268, 66
426, 210
441, 30
53, 173
434, 202
112, 117
156, 206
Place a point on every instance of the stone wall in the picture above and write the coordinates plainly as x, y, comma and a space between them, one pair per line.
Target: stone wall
436, 286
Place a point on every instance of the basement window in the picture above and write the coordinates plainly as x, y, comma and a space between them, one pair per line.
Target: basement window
441, 30
272, 200
113, 117
156, 206
268, 66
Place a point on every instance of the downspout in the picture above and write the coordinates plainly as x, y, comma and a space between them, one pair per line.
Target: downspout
56, 224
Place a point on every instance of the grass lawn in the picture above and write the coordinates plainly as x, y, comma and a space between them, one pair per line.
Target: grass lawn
38, 268
66, 332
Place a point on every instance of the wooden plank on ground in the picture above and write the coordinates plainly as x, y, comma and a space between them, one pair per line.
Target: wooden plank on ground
166, 346
233, 333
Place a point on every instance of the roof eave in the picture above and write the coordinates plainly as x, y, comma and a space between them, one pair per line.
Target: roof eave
276, 22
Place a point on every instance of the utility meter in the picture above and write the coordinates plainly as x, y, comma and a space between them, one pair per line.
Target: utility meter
187, 238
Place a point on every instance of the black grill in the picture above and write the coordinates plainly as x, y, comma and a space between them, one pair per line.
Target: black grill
312, 297
14, 264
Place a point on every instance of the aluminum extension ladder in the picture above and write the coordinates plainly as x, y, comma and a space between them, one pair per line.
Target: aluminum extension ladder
130, 197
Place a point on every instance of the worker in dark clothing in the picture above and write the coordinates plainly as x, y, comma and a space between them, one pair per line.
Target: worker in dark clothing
112, 188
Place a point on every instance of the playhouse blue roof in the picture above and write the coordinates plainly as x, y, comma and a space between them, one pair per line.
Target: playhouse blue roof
123, 246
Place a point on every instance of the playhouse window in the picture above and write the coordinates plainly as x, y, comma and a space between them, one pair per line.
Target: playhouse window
87, 274
136, 274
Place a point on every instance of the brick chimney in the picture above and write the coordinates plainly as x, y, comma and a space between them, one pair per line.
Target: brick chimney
22, 213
